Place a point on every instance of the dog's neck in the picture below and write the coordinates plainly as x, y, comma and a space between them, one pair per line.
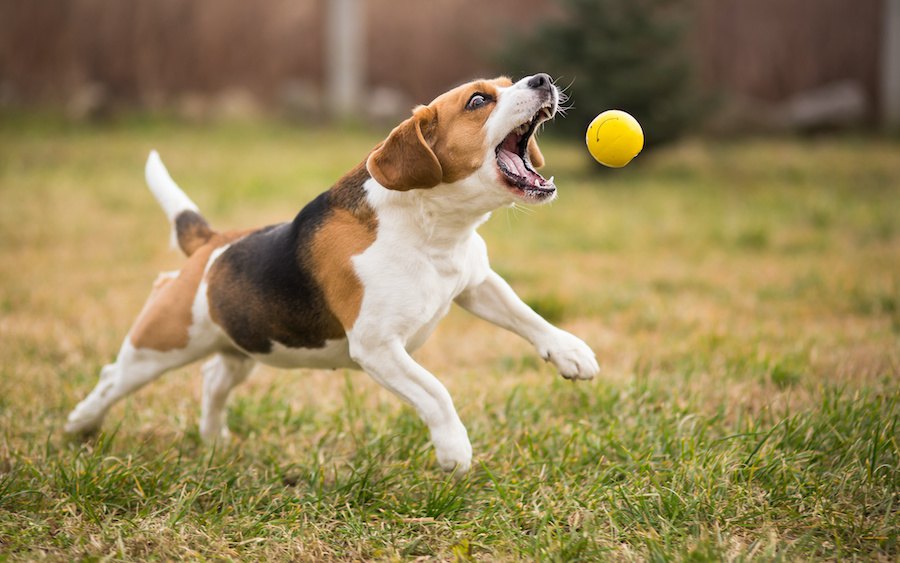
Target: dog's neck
444, 216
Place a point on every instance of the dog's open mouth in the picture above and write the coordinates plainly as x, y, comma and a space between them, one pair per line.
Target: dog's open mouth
515, 165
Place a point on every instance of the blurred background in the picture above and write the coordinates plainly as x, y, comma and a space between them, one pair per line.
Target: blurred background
722, 66
738, 281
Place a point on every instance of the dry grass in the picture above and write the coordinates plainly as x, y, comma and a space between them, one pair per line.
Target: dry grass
743, 298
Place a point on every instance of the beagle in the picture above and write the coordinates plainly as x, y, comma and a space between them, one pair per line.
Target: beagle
362, 275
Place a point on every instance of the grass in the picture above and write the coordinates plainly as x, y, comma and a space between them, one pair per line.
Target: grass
742, 297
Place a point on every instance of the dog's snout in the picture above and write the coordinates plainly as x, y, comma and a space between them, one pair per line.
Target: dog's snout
540, 81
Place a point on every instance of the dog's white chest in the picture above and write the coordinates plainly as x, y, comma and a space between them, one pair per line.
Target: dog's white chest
410, 284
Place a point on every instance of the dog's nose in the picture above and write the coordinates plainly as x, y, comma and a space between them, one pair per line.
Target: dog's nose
540, 81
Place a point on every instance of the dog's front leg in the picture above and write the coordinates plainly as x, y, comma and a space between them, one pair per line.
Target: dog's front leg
494, 301
391, 366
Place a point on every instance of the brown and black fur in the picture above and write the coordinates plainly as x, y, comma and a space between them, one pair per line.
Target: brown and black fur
192, 231
292, 283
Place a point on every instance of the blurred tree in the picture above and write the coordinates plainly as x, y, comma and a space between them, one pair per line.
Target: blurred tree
617, 54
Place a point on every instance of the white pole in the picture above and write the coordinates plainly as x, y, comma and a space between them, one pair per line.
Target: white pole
344, 56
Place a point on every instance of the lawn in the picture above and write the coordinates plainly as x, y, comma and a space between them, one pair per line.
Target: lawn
743, 298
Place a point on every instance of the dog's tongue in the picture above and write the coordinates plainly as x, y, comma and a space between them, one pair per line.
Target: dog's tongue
516, 165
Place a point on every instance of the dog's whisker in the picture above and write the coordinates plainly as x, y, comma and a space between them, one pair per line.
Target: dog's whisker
523, 209
563, 110
566, 88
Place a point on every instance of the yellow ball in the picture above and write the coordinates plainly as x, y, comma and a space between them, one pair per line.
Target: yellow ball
614, 138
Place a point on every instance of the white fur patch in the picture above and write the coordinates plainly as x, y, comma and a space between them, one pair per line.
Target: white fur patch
170, 197
335, 354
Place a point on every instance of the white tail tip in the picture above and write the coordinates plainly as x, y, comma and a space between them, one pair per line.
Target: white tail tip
170, 197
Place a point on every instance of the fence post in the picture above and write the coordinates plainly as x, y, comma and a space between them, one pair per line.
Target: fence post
344, 57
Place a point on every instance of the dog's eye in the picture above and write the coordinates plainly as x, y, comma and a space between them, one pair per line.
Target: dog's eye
477, 100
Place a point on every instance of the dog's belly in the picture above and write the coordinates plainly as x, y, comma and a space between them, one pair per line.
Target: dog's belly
335, 354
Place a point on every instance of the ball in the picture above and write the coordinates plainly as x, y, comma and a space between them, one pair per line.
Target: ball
614, 138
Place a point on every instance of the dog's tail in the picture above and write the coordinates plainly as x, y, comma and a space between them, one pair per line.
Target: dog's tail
190, 230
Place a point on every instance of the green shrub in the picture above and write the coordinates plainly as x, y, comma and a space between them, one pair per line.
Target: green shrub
617, 54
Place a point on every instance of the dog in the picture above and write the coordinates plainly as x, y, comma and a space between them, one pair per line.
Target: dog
362, 275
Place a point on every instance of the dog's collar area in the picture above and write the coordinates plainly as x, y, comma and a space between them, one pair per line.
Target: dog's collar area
515, 164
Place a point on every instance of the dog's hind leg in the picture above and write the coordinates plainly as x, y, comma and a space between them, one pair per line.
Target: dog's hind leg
221, 373
133, 368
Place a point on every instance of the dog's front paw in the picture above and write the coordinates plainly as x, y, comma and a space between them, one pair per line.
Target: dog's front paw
572, 357
453, 449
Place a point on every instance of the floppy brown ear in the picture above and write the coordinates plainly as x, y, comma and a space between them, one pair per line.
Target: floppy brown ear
534, 153
405, 161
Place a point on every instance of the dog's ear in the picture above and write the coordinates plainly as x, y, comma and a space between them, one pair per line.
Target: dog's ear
534, 153
405, 161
